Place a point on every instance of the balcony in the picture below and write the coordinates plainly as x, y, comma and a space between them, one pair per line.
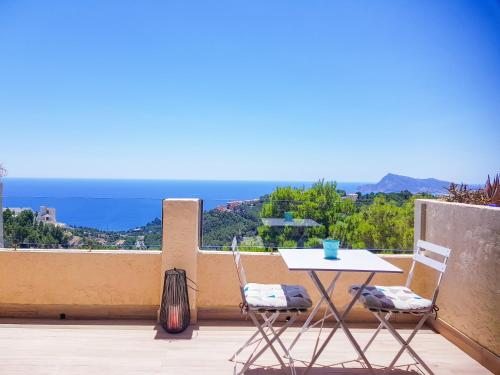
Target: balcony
139, 347
94, 312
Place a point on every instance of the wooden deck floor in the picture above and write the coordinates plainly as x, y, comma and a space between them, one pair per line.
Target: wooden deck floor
31, 347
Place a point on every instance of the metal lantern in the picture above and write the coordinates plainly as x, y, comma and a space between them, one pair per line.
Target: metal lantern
174, 312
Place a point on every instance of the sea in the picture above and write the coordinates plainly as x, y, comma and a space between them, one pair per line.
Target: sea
118, 205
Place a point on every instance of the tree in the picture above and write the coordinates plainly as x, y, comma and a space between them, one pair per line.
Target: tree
381, 225
321, 203
375, 221
24, 230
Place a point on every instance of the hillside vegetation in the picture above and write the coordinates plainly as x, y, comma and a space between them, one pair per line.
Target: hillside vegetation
373, 221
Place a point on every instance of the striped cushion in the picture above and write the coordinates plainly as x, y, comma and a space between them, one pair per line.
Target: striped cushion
276, 296
391, 298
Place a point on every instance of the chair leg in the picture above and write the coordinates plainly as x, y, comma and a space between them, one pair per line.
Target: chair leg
271, 328
379, 328
268, 321
283, 347
405, 344
268, 341
260, 328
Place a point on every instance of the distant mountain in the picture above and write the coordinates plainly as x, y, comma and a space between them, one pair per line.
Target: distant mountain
393, 183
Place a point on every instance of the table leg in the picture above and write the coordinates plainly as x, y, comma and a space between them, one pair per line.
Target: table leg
313, 313
340, 319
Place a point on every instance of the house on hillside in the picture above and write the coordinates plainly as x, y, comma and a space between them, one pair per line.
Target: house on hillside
44, 214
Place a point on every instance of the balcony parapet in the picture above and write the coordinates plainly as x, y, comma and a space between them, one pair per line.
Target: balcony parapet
123, 283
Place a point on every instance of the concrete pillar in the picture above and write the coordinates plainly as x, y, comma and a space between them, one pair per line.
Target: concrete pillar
420, 221
180, 244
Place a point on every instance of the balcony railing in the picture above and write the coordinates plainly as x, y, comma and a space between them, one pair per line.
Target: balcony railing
265, 224
81, 223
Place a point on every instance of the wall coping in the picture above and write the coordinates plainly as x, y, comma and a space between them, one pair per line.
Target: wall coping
182, 199
255, 253
158, 252
82, 251
475, 206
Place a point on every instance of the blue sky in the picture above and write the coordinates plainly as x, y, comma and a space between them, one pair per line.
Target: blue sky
250, 90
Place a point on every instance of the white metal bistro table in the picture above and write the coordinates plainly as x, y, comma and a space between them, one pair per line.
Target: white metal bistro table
312, 261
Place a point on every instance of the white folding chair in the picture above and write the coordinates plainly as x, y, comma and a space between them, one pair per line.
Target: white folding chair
269, 301
384, 301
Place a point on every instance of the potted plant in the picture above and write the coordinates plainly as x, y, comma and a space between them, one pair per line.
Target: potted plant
489, 195
492, 191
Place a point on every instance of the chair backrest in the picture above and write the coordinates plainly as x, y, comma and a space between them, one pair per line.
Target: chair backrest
239, 266
420, 256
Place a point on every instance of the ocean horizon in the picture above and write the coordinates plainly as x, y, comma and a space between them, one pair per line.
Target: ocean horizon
123, 204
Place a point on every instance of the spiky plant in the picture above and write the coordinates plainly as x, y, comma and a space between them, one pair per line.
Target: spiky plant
462, 194
492, 190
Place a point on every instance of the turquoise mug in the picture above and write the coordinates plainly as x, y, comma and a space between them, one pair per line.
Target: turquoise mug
331, 248
288, 216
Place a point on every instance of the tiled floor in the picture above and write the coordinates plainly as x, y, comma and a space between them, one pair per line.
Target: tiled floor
31, 347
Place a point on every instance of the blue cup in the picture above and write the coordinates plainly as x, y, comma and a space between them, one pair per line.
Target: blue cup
331, 248
288, 216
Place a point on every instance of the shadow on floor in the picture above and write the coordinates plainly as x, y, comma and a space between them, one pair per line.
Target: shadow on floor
188, 334
79, 322
330, 370
352, 367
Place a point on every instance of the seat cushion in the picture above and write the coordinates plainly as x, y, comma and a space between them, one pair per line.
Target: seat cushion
276, 297
391, 298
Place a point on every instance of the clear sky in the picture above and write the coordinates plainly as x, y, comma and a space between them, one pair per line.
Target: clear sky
250, 90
